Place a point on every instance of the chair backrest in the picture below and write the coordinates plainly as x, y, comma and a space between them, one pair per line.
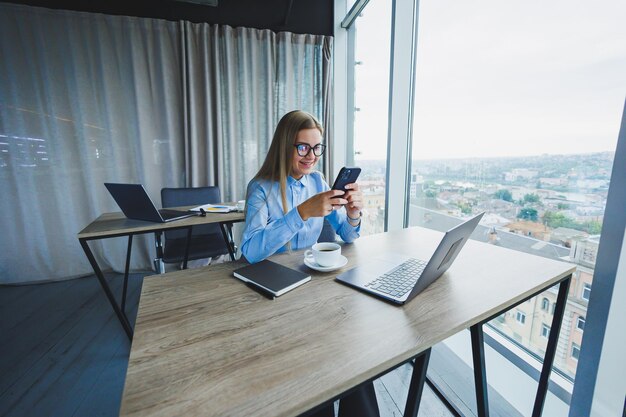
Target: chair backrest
194, 196
328, 233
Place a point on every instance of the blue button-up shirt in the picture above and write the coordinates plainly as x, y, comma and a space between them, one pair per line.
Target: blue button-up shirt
269, 229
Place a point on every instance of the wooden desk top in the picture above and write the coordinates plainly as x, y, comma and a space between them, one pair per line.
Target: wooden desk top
111, 224
205, 344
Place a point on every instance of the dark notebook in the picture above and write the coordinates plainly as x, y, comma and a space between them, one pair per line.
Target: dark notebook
270, 277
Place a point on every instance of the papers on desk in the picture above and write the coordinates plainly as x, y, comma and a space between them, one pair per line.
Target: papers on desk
215, 208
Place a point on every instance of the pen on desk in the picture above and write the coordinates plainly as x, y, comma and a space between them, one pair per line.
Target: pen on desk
260, 290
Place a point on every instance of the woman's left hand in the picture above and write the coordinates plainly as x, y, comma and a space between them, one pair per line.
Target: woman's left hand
355, 200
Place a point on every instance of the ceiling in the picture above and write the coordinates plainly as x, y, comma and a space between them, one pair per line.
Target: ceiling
298, 16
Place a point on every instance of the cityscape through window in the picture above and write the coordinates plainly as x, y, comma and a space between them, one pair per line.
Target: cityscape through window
509, 119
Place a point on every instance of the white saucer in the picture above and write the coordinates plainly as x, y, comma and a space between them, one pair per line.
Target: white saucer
313, 265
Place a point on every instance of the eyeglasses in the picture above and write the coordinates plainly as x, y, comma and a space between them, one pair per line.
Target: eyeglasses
304, 149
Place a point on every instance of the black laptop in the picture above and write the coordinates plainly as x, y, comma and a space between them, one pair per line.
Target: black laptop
136, 204
399, 281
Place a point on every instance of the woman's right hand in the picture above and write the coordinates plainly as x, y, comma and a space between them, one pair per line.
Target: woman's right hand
321, 204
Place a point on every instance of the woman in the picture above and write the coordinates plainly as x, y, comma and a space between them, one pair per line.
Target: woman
288, 200
286, 204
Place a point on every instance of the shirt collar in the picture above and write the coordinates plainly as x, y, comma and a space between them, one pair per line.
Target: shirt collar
291, 181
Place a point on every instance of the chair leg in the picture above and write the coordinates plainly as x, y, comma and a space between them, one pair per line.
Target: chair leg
231, 239
159, 265
227, 235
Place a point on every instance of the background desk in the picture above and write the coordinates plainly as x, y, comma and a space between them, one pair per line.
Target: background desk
205, 344
111, 225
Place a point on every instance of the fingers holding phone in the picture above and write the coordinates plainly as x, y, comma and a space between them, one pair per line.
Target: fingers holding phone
345, 192
321, 204
354, 198
346, 181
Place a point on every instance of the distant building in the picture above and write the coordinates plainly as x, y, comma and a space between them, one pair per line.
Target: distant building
520, 174
503, 209
494, 220
553, 182
374, 199
566, 237
417, 183
583, 250
529, 229
592, 184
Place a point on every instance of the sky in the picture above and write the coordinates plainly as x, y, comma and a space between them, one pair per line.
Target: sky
499, 78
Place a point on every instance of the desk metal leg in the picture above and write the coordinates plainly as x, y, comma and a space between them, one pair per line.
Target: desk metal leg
126, 269
417, 384
480, 374
553, 339
229, 244
187, 244
120, 314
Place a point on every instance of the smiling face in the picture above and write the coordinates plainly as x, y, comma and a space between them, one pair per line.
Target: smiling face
303, 165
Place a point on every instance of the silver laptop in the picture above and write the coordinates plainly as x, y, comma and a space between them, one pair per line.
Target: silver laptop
136, 204
400, 280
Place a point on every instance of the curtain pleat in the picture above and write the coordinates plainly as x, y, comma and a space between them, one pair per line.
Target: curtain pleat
241, 81
89, 98
84, 99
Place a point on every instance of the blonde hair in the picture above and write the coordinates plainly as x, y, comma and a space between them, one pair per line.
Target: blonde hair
278, 162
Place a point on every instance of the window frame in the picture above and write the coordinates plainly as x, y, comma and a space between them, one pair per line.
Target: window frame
404, 21
586, 290
574, 348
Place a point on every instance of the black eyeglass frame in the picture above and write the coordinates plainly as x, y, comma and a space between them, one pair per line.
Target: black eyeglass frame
310, 148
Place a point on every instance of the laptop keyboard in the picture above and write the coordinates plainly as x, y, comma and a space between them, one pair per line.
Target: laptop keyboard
400, 279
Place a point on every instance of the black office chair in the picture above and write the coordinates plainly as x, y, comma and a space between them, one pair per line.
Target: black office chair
328, 233
207, 240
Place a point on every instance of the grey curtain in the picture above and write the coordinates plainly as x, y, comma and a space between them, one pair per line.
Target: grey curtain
239, 83
84, 99
89, 98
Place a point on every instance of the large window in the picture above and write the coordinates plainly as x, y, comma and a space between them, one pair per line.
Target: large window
517, 112
372, 31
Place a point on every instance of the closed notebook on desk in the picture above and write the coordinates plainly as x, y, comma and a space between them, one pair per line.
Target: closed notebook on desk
271, 277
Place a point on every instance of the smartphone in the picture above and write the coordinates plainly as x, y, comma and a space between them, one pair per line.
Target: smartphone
346, 176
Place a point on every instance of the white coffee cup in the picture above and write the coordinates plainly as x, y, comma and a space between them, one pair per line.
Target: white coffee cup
241, 204
324, 254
